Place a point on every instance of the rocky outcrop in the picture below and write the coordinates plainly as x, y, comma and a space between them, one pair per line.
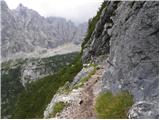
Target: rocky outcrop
82, 74
33, 70
143, 109
80, 100
25, 31
128, 32
99, 42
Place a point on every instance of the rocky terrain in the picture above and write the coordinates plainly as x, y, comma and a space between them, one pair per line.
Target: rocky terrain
81, 100
126, 38
116, 75
23, 31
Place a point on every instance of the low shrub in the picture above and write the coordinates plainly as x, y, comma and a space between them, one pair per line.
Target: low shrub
58, 108
109, 106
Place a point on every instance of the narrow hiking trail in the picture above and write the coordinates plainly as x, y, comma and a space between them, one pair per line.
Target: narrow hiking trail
84, 107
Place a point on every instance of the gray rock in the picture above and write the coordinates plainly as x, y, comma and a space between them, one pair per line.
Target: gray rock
132, 45
82, 74
99, 41
143, 109
134, 50
33, 70
23, 30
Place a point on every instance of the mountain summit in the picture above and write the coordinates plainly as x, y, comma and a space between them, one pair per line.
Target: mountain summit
25, 31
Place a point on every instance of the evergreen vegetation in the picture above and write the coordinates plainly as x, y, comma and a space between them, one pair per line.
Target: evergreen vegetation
11, 77
35, 98
11, 88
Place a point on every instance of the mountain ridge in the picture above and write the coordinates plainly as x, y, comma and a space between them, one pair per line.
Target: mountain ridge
23, 30
123, 38
116, 75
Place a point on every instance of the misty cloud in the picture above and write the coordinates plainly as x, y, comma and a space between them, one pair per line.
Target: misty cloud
75, 10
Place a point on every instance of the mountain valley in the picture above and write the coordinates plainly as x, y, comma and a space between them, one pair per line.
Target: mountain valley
107, 68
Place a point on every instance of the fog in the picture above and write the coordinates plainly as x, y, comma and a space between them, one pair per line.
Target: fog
77, 11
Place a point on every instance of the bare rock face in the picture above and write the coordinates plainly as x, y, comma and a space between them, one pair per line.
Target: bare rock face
129, 33
25, 31
143, 109
32, 71
82, 74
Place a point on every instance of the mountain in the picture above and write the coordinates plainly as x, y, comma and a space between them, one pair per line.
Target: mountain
25, 31
116, 75
120, 75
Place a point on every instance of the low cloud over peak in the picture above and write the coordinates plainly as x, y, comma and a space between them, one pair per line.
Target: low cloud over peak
76, 10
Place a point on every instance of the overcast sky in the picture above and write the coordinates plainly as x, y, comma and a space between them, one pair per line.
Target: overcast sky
75, 10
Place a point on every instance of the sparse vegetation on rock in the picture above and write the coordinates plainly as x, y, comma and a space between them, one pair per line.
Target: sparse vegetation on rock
92, 24
84, 79
58, 107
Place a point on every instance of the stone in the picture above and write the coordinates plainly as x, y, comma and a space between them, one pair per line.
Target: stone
143, 109
26, 31
82, 74
132, 45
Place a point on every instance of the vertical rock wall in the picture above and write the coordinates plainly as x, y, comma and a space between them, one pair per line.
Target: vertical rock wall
129, 33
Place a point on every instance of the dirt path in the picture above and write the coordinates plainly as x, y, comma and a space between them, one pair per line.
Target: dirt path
84, 109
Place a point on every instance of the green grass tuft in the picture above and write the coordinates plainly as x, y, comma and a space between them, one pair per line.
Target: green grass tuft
113, 107
58, 108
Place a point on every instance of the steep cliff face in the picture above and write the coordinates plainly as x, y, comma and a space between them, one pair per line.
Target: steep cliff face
25, 31
122, 39
128, 34
119, 54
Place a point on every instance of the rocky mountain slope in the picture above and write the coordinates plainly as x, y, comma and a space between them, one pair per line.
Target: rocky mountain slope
25, 31
129, 32
123, 38
116, 74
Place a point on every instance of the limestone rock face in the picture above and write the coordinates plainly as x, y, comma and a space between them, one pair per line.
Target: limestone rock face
143, 109
129, 33
25, 31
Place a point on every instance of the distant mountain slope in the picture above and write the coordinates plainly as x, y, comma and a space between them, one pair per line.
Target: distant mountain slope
16, 76
44, 52
24, 31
